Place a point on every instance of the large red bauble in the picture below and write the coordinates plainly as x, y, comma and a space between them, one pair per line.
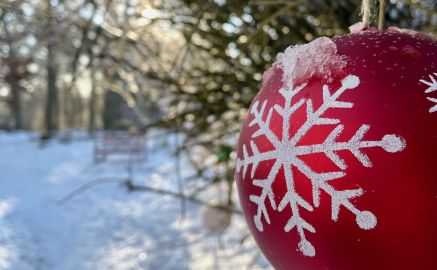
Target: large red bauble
340, 171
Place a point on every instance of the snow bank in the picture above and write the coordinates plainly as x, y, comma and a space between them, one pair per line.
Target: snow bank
318, 58
7, 252
106, 227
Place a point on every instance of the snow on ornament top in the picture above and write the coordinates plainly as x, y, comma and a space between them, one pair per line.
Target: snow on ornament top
357, 27
318, 58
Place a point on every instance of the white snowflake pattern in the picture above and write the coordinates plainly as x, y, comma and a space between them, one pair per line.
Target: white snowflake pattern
287, 154
432, 87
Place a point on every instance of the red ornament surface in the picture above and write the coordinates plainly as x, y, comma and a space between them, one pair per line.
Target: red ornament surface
341, 172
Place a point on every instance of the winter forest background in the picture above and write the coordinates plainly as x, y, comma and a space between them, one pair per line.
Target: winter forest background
162, 86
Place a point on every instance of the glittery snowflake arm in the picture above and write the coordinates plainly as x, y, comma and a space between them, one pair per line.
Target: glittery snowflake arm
257, 157
288, 109
254, 159
432, 86
365, 219
434, 108
330, 147
432, 83
314, 117
264, 125
390, 143
263, 129
267, 192
295, 201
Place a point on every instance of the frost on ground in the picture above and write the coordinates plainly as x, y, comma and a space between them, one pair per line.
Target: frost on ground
105, 227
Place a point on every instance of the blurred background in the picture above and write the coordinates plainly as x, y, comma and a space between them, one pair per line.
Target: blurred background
119, 121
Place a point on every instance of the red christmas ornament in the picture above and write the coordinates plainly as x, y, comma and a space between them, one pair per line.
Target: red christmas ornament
336, 163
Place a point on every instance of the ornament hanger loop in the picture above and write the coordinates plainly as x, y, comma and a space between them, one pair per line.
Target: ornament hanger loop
367, 9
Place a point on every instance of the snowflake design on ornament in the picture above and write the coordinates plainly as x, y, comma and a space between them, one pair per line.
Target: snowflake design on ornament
287, 154
432, 87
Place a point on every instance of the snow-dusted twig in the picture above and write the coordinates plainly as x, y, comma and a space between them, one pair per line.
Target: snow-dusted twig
88, 186
188, 197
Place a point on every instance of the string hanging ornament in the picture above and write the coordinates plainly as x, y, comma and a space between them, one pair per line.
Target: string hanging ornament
335, 161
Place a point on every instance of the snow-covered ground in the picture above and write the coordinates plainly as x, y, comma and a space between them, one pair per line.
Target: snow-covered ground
105, 227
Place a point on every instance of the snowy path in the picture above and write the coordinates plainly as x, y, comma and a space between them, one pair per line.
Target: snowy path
105, 227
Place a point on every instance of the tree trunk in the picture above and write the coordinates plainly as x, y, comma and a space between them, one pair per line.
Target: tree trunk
14, 78
15, 89
92, 104
51, 101
51, 109
16, 108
